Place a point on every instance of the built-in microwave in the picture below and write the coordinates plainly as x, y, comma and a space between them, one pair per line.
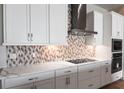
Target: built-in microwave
116, 45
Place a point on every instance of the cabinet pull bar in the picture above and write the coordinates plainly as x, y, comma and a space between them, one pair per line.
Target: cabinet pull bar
67, 71
91, 71
90, 85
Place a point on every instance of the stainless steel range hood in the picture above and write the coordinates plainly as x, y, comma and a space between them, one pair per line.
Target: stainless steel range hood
78, 21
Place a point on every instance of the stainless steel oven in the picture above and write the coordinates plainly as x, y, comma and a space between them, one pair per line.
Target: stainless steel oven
116, 62
116, 45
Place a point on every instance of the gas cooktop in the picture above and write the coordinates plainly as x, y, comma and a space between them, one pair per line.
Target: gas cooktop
78, 61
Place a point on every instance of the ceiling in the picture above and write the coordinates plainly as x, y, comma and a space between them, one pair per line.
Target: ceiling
110, 6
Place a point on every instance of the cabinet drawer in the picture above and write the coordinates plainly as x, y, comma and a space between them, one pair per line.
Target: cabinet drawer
66, 71
45, 84
26, 86
43, 76
11, 82
88, 71
116, 76
92, 83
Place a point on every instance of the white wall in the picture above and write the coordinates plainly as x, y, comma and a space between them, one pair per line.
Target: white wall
103, 51
1, 24
3, 57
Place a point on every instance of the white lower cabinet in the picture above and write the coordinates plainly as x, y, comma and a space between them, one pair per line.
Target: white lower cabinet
116, 76
26, 86
39, 80
67, 82
106, 73
66, 78
92, 83
89, 76
45, 84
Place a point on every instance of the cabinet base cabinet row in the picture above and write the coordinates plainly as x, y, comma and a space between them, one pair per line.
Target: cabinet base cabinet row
61, 83
84, 77
45, 84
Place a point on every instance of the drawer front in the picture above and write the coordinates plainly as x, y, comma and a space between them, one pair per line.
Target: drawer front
44, 76
92, 83
88, 71
45, 84
66, 71
11, 82
27, 86
116, 76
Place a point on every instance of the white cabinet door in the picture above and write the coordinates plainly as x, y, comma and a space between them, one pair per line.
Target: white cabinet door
66, 82
58, 23
114, 25
120, 28
61, 82
26, 86
116, 76
39, 23
92, 83
16, 25
45, 84
88, 71
98, 27
95, 23
106, 73
73, 81
117, 25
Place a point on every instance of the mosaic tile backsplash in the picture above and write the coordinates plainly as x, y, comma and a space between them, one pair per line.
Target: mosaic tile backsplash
26, 55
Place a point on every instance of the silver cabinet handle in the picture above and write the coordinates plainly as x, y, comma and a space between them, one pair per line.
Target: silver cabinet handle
67, 71
35, 78
32, 87
118, 33
31, 79
67, 80
91, 71
90, 85
35, 87
28, 37
106, 69
31, 37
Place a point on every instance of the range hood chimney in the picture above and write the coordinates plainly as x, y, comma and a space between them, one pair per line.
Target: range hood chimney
78, 21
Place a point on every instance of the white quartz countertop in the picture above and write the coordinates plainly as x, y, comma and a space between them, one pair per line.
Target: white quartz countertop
38, 68
30, 69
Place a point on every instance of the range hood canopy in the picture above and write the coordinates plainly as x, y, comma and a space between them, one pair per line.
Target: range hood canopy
78, 21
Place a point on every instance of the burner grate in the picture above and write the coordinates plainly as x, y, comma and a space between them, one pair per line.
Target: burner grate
78, 61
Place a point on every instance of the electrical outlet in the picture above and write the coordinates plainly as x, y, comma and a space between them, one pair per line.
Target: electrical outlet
34, 55
12, 56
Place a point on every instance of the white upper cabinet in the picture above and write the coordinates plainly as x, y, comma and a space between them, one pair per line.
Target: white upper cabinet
39, 23
15, 24
35, 24
117, 25
95, 23
58, 23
